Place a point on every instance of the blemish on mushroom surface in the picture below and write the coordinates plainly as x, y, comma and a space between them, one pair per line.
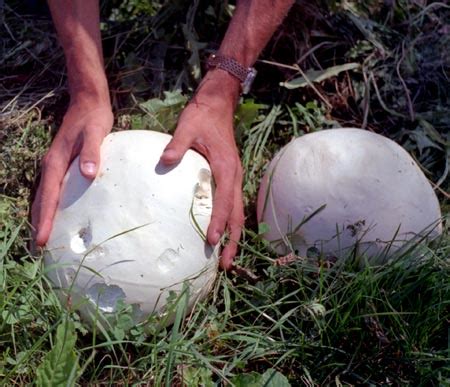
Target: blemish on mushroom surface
81, 240
202, 203
105, 296
96, 252
167, 260
70, 275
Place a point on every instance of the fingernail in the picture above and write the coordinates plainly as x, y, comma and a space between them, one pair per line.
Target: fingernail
89, 167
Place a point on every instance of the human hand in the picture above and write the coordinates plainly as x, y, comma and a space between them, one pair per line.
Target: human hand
81, 133
206, 125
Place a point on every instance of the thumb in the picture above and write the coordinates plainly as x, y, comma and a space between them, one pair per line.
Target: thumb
90, 153
175, 150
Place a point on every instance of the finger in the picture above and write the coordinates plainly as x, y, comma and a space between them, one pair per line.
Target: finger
90, 152
224, 176
230, 250
235, 224
47, 196
177, 147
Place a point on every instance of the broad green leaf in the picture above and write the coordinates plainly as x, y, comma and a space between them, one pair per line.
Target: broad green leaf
270, 378
60, 365
201, 376
248, 112
252, 379
9, 318
263, 228
273, 378
314, 76
163, 114
30, 269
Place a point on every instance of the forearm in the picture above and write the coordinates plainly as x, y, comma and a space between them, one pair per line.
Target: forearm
77, 25
251, 27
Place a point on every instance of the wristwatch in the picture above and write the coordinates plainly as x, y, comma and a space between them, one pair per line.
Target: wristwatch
245, 74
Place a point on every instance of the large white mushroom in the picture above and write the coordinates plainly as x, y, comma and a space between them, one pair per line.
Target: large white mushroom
365, 188
136, 232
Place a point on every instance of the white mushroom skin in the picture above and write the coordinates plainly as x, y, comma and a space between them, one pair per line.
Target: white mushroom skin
135, 232
373, 191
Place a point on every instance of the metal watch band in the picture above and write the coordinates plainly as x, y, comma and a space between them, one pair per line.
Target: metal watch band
245, 74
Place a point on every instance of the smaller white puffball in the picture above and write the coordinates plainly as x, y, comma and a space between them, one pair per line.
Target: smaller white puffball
365, 188
136, 232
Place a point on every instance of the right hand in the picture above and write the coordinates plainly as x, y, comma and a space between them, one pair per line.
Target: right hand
206, 125
81, 133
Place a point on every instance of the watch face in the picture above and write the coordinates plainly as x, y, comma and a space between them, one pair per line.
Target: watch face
247, 84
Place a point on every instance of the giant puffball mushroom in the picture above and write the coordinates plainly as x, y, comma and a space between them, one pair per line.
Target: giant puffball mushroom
338, 189
135, 233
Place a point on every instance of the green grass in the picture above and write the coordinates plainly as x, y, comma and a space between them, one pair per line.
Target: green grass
311, 321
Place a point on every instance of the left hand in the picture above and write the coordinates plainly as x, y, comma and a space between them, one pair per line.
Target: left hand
206, 125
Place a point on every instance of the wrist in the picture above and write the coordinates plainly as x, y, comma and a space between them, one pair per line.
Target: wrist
220, 86
87, 85
90, 98
245, 75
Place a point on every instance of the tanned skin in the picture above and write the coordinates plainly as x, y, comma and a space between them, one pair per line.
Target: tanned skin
206, 124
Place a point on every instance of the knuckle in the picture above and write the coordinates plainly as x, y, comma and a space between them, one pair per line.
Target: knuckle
92, 131
98, 130
48, 159
235, 232
226, 206
219, 220
237, 222
89, 151
53, 163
